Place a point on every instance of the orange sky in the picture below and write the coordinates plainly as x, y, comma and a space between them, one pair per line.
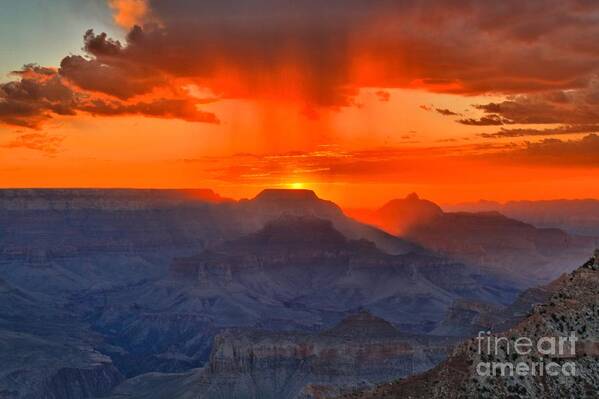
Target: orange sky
456, 103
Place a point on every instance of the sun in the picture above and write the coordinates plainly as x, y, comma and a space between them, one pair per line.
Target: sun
296, 186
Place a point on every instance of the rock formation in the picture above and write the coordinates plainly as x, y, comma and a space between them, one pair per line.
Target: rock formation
491, 240
362, 349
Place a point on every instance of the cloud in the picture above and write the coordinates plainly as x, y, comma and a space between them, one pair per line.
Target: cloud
439, 164
128, 13
426, 44
442, 111
487, 120
31, 100
46, 143
321, 55
384, 96
555, 152
304, 51
408, 164
577, 110
108, 70
161, 108
122, 81
446, 112
560, 130
574, 107
42, 93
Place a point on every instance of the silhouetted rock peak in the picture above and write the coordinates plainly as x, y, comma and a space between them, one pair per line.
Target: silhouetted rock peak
273, 194
298, 230
413, 197
363, 323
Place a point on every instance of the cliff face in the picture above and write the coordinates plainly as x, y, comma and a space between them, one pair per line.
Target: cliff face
362, 349
573, 308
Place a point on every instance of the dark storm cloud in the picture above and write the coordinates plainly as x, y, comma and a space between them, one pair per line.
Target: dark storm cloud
321, 53
30, 100
455, 46
42, 93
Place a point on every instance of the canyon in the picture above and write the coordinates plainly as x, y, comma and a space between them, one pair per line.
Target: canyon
106, 292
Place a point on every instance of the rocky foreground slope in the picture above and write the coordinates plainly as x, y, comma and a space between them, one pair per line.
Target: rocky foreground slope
572, 309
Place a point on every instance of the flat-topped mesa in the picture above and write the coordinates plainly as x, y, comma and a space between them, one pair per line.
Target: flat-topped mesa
273, 202
276, 194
